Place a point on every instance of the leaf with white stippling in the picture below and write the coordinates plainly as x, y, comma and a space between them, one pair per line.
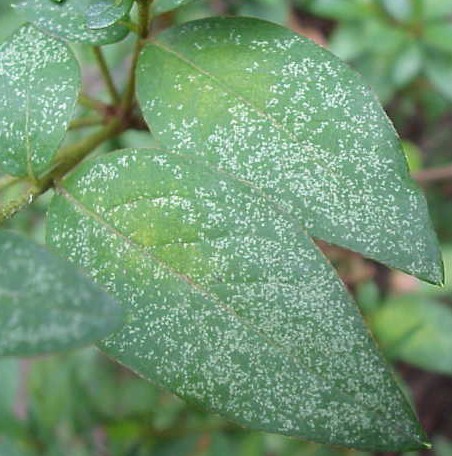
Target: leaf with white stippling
39, 83
163, 6
272, 108
104, 13
68, 20
231, 304
46, 305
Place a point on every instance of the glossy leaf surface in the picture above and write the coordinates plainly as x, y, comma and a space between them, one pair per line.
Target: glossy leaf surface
69, 21
231, 304
104, 13
39, 83
275, 110
46, 305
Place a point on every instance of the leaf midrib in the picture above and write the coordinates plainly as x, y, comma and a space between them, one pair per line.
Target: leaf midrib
212, 298
232, 92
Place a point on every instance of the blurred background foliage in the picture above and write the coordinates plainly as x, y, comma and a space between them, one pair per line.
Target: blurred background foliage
81, 403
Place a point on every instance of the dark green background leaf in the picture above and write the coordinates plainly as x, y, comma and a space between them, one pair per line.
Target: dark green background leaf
279, 112
163, 6
418, 330
232, 305
46, 305
39, 83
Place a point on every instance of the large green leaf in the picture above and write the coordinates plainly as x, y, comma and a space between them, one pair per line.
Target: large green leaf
232, 306
39, 83
69, 21
163, 6
277, 111
46, 305
104, 13
418, 330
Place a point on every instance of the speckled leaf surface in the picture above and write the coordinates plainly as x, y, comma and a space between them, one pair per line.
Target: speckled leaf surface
104, 13
272, 108
231, 305
39, 83
69, 21
46, 305
163, 6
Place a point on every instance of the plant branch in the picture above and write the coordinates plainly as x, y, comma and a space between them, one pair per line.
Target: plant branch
83, 122
143, 32
108, 79
431, 175
118, 118
67, 158
91, 103
70, 156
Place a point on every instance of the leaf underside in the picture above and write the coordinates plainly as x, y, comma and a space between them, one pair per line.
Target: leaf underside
274, 109
231, 305
39, 83
46, 305
68, 20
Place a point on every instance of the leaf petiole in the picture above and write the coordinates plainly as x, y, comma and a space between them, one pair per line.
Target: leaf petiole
106, 74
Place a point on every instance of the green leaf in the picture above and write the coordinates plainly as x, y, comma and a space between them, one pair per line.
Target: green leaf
347, 42
104, 13
439, 72
163, 6
274, 10
415, 163
11, 378
437, 9
446, 251
438, 35
68, 20
417, 330
39, 82
342, 10
273, 109
408, 64
9, 447
45, 304
232, 305
400, 10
